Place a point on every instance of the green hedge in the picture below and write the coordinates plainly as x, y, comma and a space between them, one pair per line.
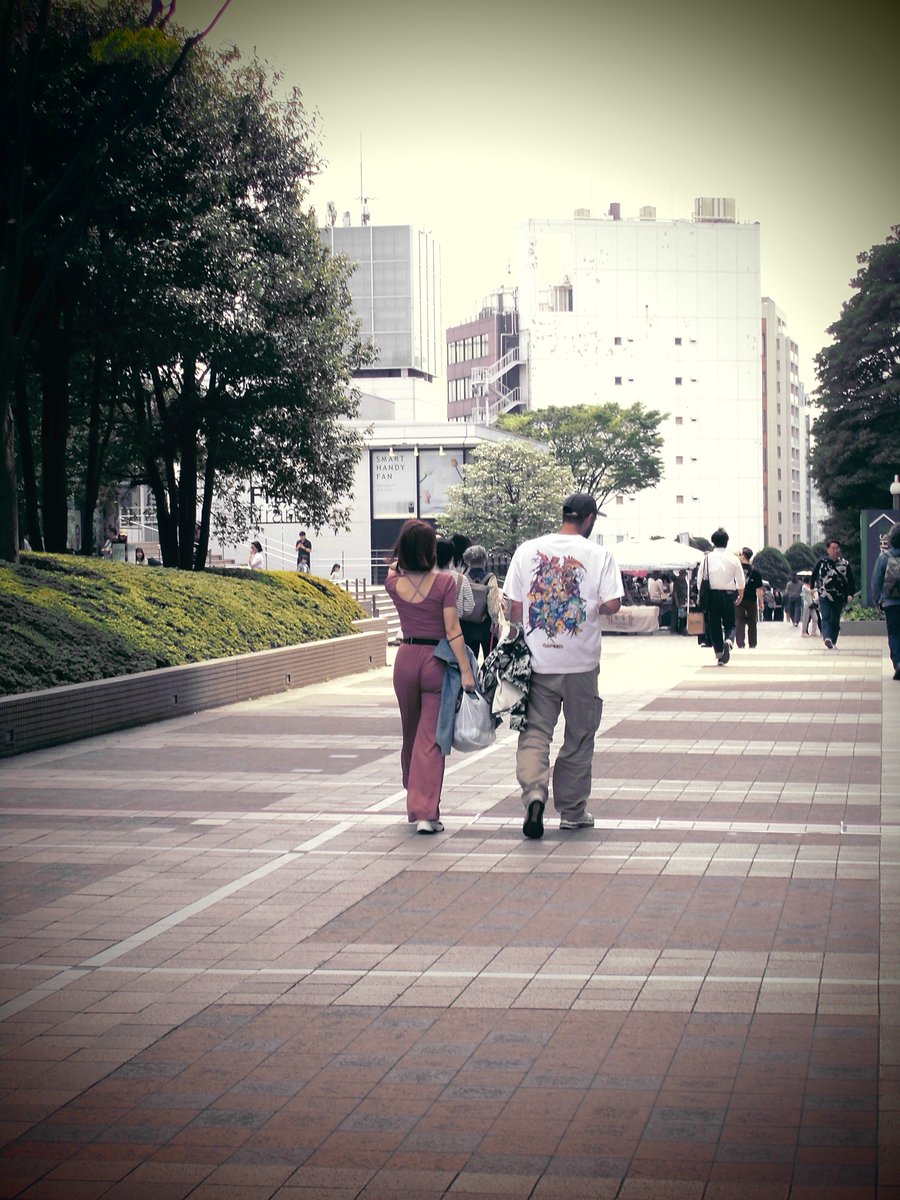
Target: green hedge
67, 619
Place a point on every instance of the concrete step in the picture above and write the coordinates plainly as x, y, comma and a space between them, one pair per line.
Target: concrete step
385, 606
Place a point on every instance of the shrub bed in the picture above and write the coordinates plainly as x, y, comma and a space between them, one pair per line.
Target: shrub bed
67, 619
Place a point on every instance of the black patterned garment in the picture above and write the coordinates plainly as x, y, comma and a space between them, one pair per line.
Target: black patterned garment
508, 662
834, 579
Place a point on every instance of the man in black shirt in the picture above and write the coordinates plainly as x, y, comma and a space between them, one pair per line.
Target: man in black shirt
304, 552
747, 612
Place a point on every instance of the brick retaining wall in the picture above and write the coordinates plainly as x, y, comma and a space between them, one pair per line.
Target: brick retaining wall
37, 719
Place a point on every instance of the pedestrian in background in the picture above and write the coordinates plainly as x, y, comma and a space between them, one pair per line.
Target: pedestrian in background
445, 551
810, 613
793, 600
886, 590
481, 628
303, 546
749, 611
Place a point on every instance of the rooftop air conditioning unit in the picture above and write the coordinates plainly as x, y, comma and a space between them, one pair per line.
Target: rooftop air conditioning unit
582, 214
648, 212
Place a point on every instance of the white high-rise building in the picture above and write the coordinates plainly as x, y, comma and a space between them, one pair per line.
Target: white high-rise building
785, 433
666, 313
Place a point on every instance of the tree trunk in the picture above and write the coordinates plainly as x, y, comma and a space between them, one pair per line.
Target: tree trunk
98, 440
209, 482
188, 433
26, 457
55, 351
9, 492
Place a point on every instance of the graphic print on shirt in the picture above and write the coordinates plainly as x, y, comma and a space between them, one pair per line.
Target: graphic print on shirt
555, 604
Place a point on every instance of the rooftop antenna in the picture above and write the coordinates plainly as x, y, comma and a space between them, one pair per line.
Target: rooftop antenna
363, 198
332, 214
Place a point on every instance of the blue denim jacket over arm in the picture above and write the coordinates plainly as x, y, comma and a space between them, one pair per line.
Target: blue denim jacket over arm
450, 692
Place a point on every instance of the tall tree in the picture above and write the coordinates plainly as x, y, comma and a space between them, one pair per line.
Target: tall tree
41, 215
610, 450
511, 491
212, 333
857, 434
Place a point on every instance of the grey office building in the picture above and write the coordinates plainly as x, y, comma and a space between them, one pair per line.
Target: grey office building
396, 290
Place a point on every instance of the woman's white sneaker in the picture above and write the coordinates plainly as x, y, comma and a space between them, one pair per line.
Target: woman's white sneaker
429, 827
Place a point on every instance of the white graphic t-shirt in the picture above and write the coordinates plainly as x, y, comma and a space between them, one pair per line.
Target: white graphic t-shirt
560, 580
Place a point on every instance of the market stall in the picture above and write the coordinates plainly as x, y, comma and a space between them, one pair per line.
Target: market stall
649, 566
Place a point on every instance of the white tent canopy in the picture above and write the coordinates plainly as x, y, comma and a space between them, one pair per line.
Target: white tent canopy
655, 555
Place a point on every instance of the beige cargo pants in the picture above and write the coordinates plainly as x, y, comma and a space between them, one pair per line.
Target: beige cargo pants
582, 707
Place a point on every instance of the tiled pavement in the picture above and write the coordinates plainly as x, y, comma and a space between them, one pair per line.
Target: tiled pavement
231, 970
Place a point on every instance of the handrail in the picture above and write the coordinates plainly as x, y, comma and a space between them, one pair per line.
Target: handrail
512, 358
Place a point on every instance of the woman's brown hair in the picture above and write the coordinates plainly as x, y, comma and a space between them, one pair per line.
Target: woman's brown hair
416, 546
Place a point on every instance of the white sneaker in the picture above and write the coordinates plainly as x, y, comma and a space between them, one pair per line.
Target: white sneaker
584, 821
429, 827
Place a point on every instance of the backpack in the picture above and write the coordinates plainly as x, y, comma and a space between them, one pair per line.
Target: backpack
890, 589
480, 589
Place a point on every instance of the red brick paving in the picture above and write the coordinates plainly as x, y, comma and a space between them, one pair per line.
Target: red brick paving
706, 1021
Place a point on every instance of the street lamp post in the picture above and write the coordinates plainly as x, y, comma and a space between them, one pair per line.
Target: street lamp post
895, 493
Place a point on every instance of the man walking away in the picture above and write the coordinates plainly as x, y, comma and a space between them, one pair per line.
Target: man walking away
886, 590
748, 611
726, 589
558, 586
833, 581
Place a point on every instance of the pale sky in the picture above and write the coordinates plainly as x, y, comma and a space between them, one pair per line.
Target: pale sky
476, 117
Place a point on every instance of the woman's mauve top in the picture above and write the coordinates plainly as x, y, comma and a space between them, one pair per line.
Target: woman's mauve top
424, 619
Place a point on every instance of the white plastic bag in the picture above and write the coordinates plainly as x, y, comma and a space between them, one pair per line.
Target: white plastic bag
473, 726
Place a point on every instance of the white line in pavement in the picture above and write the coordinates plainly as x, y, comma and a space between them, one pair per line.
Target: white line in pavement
198, 906
466, 761
33, 995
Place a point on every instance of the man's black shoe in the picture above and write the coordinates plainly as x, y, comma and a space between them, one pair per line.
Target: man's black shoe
725, 655
534, 820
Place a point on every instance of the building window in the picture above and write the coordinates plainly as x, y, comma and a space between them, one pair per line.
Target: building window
679, 460
617, 341
679, 499
678, 381
678, 341
620, 499
679, 420
618, 381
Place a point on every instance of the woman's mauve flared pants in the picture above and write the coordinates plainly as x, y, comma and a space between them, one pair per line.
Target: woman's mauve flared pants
418, 680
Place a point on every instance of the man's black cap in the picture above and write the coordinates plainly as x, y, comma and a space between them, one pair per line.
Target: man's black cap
579, 505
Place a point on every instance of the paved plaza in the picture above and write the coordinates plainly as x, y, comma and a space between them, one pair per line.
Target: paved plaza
232, 970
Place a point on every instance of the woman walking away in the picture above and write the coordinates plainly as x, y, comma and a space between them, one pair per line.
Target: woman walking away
426, 601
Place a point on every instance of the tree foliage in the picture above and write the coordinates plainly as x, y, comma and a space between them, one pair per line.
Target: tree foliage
511, 491
42, 211
197, 331
857, 434
773, 565
800, 556
610, 450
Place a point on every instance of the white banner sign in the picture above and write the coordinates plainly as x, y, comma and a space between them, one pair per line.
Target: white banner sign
393, 483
